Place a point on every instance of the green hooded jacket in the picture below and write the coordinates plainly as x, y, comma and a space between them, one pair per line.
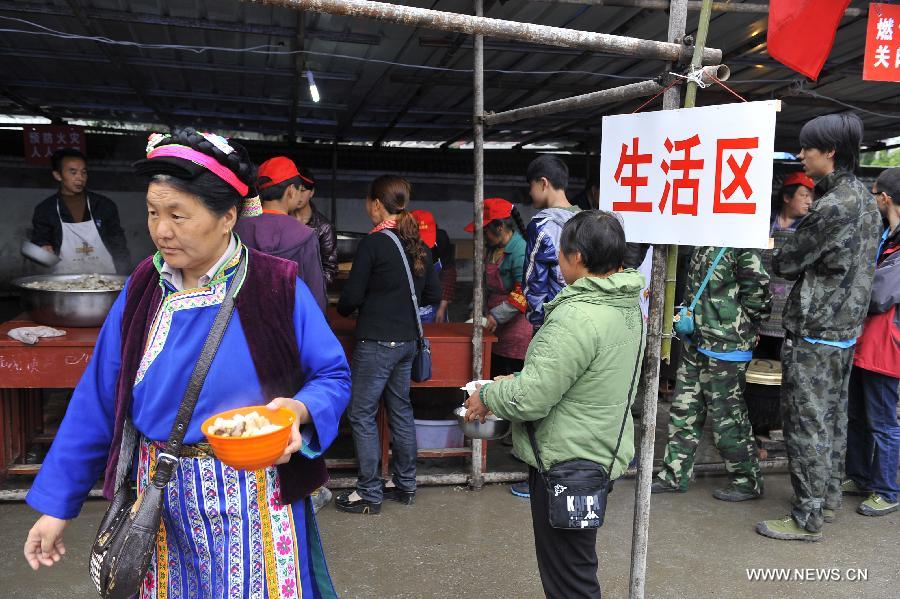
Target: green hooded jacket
577, 375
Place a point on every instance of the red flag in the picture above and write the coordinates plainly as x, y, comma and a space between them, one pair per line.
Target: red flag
801, 32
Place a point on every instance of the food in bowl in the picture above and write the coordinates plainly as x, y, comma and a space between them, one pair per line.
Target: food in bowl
252, 452
80, 283
251, 425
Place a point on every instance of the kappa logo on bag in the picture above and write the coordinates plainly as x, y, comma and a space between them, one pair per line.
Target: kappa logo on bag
581, 511
559, 490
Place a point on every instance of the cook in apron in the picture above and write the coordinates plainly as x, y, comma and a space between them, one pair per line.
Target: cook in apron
82, 251
514, 336
428, 314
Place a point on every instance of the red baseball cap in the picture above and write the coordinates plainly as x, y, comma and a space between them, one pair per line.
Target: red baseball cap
427, 226
494, 209
274, 171
799, 179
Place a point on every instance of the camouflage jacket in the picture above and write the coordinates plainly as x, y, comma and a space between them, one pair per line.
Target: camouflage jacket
735, 299
831, 257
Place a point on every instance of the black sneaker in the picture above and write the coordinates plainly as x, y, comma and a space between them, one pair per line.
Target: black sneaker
659, 486
735, 493
397, 494
352, 503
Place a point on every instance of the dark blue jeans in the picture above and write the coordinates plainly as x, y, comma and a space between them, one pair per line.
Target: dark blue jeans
873, 435
381, 371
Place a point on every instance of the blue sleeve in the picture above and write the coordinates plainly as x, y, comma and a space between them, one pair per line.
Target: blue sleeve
326, 374
81, 447
539, 260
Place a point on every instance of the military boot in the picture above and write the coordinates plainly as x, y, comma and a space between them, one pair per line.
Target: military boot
786, 529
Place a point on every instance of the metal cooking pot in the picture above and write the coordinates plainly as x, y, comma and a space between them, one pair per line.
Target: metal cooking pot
67, 308
347, 243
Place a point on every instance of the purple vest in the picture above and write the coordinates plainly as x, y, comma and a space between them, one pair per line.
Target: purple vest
268, 291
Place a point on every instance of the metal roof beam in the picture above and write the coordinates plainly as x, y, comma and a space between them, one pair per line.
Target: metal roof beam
112, 89
29, 106
118, 63
694, 5
498, 28
233, 116
207, 24
165, 64
297, 43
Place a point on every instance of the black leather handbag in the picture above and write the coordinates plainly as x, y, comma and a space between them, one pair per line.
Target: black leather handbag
577, 489
421, 366
126, 538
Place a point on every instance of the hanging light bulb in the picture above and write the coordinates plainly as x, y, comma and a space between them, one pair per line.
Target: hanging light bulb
313, 90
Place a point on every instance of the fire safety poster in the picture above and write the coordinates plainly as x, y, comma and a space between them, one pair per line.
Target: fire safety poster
881, 61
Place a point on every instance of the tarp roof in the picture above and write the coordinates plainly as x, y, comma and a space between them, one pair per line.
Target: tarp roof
368, 95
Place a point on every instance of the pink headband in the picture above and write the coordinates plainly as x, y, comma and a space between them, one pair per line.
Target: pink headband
207, 162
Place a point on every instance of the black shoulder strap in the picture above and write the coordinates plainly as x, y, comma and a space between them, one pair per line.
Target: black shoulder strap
166, 461
529, 426
409, 277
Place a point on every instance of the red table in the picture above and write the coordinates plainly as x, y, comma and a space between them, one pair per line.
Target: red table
58, 363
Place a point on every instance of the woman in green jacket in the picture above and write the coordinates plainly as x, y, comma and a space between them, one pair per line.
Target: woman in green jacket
576, 387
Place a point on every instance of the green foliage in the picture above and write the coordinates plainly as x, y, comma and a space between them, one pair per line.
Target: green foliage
881, 157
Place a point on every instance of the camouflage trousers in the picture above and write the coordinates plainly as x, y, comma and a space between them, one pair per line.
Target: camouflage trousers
814, 408
709, 387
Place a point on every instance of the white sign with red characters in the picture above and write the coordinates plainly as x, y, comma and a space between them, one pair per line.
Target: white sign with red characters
881, 61
694, 176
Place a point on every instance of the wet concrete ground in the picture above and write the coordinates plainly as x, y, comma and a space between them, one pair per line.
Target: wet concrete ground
458, 543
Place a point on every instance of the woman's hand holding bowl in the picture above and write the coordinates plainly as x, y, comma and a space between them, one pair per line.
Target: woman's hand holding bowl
302, 417
476, 410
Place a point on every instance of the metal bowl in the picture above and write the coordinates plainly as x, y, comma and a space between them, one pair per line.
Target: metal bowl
493, 427
347, 243
67, 308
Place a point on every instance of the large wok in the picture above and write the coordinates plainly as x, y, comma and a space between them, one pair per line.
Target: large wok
82, 308
347, 243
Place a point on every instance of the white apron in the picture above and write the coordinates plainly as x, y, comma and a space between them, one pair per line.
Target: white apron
82, 251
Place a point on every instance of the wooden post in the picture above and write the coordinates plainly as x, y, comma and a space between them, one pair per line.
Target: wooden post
497, 28
606, 96
334, 164
477, 479
650, 384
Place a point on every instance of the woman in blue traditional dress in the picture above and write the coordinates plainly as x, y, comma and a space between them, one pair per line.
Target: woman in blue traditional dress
224, 532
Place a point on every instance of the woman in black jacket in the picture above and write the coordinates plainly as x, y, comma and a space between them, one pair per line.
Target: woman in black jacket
386, 333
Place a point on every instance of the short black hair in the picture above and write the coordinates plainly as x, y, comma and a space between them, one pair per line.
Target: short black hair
842, 133
307, 179
58, 156
889, 182
276, 192
551, 168
600, 238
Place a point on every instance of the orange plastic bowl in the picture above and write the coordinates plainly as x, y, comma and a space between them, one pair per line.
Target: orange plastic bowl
252, 453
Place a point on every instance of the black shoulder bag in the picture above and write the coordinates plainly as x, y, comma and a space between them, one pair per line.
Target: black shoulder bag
126, 538
577, 489
421, 366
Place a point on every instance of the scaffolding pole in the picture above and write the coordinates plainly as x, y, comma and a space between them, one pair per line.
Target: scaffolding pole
477, 479
693, 5
656, 333
606, 96
498, 28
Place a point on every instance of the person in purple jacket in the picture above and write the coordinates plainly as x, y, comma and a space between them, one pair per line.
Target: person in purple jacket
276, 232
